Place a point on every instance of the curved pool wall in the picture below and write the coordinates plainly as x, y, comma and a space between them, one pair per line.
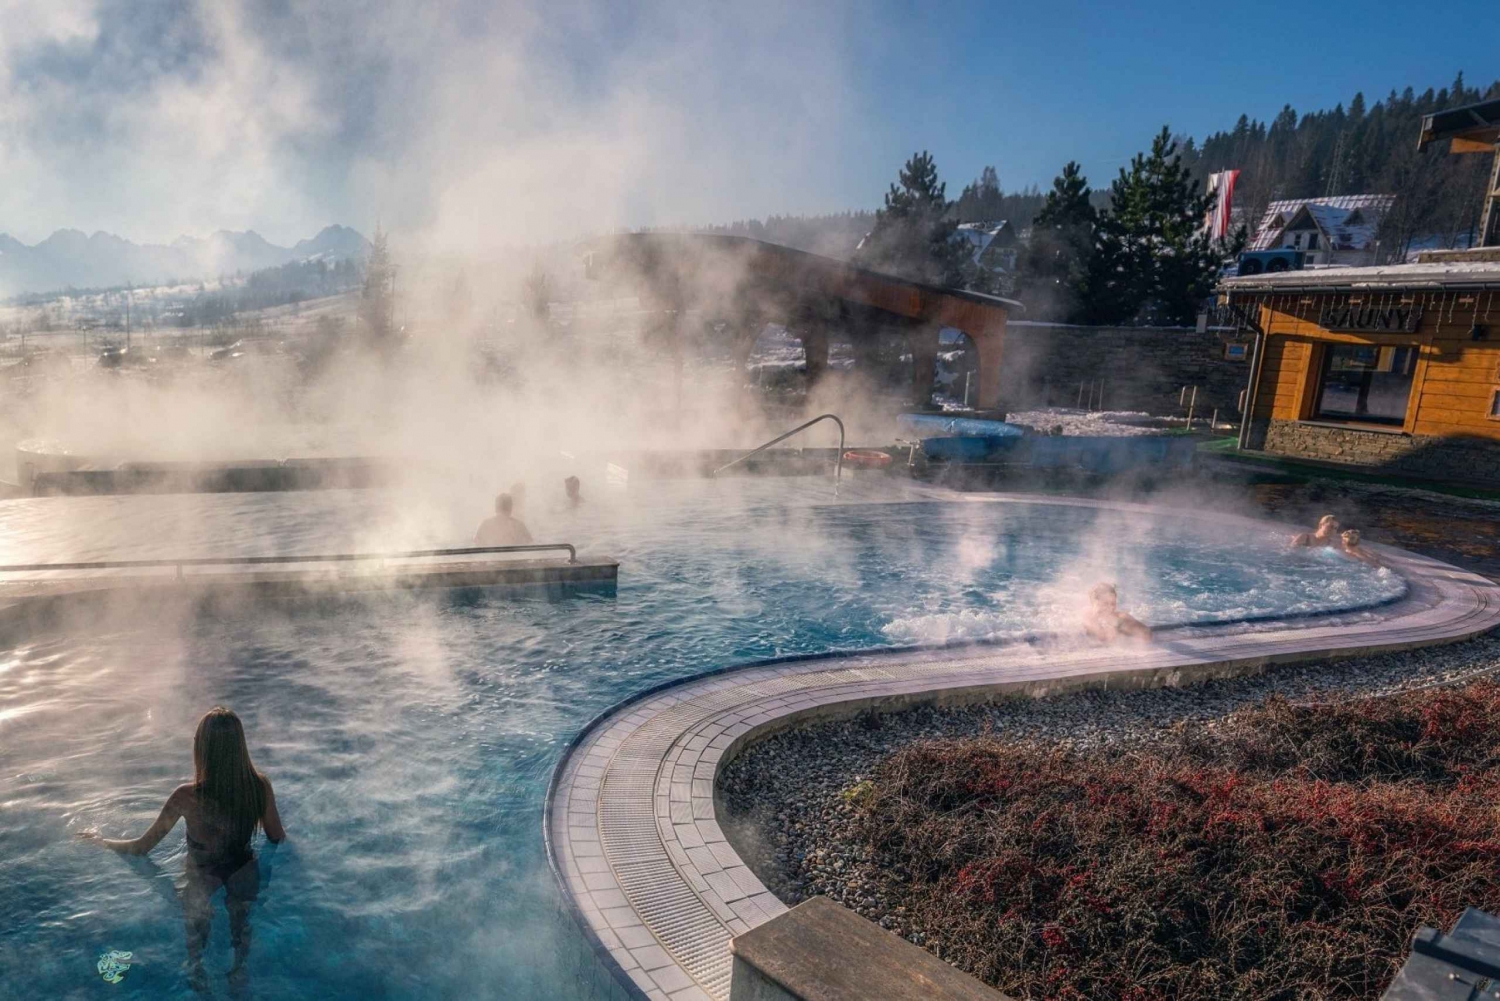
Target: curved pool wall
412, 741
631, 828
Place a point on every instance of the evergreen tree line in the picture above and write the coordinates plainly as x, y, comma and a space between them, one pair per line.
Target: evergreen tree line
1358, 150
1143, 259
983, 200
293, 282
1135, 253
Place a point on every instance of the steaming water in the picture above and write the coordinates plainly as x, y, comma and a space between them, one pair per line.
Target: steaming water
410, 741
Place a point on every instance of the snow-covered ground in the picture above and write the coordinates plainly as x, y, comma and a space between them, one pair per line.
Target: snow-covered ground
1102, 423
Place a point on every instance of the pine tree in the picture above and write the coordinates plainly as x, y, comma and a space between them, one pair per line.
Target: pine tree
981, 201
1055, 265
913, 236
1152, 260
377, 300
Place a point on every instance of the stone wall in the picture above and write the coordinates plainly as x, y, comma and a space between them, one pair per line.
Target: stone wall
1470, 460
1141, 368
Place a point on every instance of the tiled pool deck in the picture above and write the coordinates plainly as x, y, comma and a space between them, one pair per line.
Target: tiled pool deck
631, 828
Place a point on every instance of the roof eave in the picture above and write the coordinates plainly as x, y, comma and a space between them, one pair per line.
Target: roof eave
1413, 286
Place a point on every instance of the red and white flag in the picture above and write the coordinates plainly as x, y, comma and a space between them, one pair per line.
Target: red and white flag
1221, 187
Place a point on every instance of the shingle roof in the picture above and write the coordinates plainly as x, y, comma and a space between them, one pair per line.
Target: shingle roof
1464, 274
980, 235
1334, 210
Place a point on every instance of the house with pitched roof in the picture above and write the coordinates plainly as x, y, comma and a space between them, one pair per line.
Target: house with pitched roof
1331, 232
992, 245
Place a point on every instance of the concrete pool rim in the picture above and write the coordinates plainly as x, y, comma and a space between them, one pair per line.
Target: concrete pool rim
1426, 580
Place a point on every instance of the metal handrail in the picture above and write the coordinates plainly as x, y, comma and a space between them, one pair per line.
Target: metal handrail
207, 561
838, 462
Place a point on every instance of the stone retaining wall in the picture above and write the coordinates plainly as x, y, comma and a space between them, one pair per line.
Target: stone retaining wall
1473, 460
1141, 368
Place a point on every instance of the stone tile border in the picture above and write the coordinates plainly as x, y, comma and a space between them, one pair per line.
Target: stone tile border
630, 821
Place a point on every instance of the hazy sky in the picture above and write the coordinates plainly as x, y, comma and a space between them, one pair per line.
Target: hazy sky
476, 123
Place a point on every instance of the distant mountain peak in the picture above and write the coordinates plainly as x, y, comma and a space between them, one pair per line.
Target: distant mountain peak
70, 257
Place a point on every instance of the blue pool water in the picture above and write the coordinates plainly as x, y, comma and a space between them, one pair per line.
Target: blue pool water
410, 741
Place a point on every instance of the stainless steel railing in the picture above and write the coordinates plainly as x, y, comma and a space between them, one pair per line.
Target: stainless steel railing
838, 462
212, 561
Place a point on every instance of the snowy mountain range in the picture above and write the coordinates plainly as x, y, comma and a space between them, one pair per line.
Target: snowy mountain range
71, 258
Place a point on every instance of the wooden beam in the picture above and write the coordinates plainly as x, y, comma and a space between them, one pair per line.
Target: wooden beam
1461, 144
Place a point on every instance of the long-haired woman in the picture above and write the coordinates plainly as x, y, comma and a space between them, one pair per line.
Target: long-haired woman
223, 805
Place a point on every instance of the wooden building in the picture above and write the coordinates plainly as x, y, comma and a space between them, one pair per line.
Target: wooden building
1395, 368
737, 285
1474, 128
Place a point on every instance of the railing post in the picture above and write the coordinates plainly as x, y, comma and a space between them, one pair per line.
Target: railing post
838, 462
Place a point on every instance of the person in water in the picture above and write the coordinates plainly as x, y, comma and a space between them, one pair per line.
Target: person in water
1104, 620
1326, 534
503, 529
570, 487
223, 805
1350, 546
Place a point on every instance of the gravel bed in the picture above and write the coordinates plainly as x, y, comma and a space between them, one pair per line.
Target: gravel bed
783, 802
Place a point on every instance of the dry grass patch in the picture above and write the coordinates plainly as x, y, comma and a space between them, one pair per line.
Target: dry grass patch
1288, 852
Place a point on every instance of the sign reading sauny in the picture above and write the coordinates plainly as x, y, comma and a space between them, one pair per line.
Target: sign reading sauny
1398, 319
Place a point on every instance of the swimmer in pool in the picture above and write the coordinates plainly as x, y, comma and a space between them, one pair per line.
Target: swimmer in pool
1326, 534
570, 487
223, 805
1350, 547
1104, 620
503, 529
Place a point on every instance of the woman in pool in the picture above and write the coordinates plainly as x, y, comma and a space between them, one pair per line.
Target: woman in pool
223, 805
1326, 534
1350, 546
1104, 620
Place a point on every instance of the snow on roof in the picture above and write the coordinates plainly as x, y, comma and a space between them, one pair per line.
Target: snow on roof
1390, 276
1356, 237
1346, 229
980, 235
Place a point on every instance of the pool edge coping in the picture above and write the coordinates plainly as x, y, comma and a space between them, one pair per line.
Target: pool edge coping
1422, 575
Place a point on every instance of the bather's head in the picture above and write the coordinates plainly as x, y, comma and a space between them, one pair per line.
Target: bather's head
570, 486
503, 504
1328, 526
1103, 597
223, 773
1350, 538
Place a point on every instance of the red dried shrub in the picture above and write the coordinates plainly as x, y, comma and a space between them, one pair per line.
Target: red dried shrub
1287, 852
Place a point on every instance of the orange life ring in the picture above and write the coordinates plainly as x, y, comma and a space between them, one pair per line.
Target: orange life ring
866, 458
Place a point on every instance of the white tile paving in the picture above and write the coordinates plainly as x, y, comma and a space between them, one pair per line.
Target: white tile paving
631, 821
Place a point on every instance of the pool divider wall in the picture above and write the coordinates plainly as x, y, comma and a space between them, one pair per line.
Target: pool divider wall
38, 604
241, 476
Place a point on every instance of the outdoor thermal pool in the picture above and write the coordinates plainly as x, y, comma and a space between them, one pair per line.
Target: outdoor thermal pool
410, 740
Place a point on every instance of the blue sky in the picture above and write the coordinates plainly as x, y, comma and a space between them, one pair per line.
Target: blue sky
1028, 86
479, 124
